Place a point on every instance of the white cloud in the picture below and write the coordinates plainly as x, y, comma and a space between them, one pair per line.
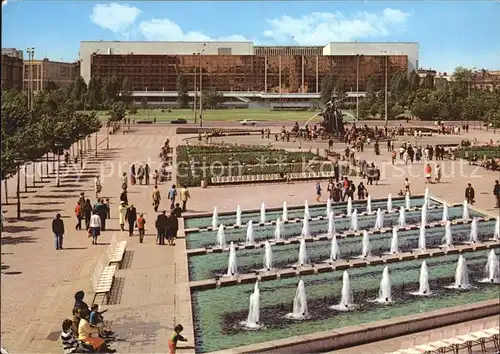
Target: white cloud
167, 30
319, 28
4, 2
114, 17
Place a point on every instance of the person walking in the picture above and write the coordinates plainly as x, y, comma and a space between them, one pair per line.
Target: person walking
156, 198
407, 187
87, 213
131, 217
132, 175
470, 194
172, 193
98, 186
438, 174
102, 211
156, 176
496, 193
140, 174
141, 223
95, 227
184, 195
318, 191
58, 230
79, 216
362, 191
124, 181
122, 212
172, 227
428, 173
161, 227
147, 171
124, 197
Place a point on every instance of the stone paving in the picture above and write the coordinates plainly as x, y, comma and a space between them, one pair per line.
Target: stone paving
151, 293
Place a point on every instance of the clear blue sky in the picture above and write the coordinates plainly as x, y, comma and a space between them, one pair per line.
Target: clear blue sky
449, 33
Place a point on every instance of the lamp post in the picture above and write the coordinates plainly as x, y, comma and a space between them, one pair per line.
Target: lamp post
194, 86
201, 84
18, 192
95, 144
58, 149
81, 154
107, 136
31, 55
385, 101
26, 178
357, 87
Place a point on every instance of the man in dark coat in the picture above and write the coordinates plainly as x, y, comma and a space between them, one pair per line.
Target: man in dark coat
496, 193
58, 230
131, 217
172, 227
161, 227
470, 194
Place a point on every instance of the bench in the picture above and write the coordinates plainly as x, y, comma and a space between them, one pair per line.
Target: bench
116, 250
102, 280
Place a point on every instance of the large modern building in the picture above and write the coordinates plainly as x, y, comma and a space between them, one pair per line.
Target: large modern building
12, 69
42, 72
242, 69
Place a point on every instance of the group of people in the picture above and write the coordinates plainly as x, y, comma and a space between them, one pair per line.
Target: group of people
341, 190
409, 153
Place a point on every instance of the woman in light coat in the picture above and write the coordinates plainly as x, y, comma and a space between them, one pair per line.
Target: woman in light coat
98, 186
122, 211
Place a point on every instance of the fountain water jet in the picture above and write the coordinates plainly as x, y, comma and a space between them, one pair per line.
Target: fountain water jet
306, 232
424, 288
389, 202
279, 231
354, 221
445, 213
285, 212
448, 237
252, 321
408, 200
331, 224
369, 204
423, 215
300, 311
328, 207
303, 259
492, 269
268, 256
232, 267
384, 294
473, 231
221, 237
306, 210
365, 245
465, 213
426, 196
421, 239
349, 206
402, 217
496, 232
215, 219
379, 221
249, 238
461, 275
238, 216
394, 241
263, 213
334, 250
347, 299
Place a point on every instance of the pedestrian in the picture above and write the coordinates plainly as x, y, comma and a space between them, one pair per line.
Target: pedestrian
176, 336
496, 193
393, 156
58, 230
470, 194
124, 197
124, 181
81, 200
98, 186
438, 174
141, 223
108, 208
370, 174
362, 192
172, 227
102, 211
406, 157
147, 170
161, 227
407, 187
87, 213
79, 216
131, 217
122, 212
95, 227
132, 175
172, 193
377, 175
428, 173
156, 175
318, 191
184, 195
178, 210
140, 174
156, 198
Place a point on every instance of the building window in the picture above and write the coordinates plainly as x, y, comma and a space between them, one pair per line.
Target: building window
224, 51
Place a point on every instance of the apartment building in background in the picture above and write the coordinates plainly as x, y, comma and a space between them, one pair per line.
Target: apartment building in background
42, 72
12, 69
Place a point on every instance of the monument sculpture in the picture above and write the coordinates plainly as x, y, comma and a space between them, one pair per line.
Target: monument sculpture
333, 119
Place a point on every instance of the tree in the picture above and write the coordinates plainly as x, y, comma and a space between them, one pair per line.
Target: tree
79, 89
327, 87
117, 112
370, 86
94, 93
126, 91
182, 91
414, 81
111, 90
428, 82
212, 99
144, 103
51, 85
364, 108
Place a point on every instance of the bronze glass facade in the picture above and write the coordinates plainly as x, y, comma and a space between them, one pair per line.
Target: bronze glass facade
12, 73
260, 73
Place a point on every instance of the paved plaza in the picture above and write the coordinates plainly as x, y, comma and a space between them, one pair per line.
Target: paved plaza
151, 292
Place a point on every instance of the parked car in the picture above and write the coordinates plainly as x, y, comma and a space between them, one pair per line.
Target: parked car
248, 122
179, 121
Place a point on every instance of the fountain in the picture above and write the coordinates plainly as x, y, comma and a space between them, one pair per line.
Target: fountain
402, 217
252, 321
369, 204
249, 232
389, 202
473, 231
335, 250
423, 215
303, 260
379, 221
221, 236
215, 219
328, 207
492, 269
448, 237
305, 228
232, 267
496, 233
408, 200
461, 275
349, 206
394, 241
331, 224
285, 212
445, 213
384, 294
354, 221
238, 216
424, 288
347, 299
300, 311
306, 210
421, 239
465, 214
263, 213
365, 245
268, 256
426, 196
279, 232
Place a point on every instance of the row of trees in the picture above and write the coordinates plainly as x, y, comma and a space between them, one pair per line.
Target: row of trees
427, 98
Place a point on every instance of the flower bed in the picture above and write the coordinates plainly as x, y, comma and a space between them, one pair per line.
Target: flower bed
480, 151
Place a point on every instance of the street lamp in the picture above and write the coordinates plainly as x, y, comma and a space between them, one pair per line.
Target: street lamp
357, 85
26, 178
31, 55
200, 52
385, 102
58, 149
